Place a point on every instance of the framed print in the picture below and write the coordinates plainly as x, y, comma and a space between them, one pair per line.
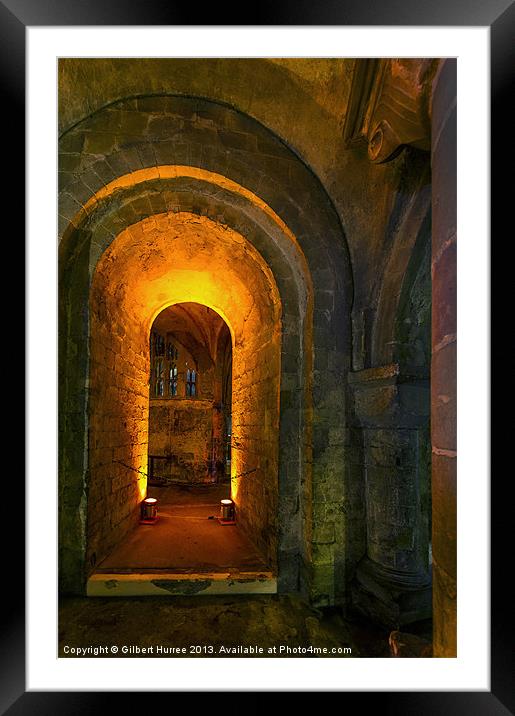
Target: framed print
250, 432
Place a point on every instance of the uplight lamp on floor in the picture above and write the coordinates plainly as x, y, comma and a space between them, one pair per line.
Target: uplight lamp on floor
227, 515
148, 511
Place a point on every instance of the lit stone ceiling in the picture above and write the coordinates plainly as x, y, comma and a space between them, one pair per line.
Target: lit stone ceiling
193, 324
178, 258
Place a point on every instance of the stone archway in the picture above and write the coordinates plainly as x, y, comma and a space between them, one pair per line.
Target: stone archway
190, 400
282, 210
170, 259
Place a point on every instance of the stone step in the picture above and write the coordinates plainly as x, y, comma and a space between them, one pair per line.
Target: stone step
140, 584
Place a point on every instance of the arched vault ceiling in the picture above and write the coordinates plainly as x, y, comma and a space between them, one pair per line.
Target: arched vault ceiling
296, 105
195, 325
303, 101
87, 85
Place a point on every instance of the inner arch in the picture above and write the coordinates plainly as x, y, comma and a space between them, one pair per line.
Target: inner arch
164, 260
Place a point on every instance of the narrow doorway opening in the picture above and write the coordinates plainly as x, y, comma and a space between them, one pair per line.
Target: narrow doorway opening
190, 386
189, 453
189, 439
213, 284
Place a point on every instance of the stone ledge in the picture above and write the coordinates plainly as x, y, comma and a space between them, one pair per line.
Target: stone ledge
137, 584
389, 374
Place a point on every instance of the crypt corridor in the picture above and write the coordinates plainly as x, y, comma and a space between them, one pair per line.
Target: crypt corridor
257, 303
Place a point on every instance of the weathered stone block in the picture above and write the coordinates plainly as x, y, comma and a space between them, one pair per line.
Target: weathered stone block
443, 398
152, 103
391, 448
118, 163
444, 484
323, 532
69, 163
72, 141
146, 154
322, 588
444, 294
103, 171
68, 206
99, 143
373, 403
444, 202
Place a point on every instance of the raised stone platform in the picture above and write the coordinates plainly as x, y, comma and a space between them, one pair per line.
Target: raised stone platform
167, 583
187, 551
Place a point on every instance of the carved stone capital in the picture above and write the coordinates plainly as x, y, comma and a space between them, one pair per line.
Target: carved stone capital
390, 396
389, 106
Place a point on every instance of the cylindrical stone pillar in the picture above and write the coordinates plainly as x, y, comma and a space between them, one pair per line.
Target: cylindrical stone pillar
393, 583
443, 362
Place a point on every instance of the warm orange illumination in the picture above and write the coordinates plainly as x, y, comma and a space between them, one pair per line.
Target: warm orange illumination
235, 469
177, 258
176, 171
149, 510
227, 510
150, 280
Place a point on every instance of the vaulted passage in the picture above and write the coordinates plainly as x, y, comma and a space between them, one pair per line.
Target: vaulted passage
189, 466
180, 261
176, 234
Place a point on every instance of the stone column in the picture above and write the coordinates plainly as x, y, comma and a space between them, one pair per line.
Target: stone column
443, 361
393, 582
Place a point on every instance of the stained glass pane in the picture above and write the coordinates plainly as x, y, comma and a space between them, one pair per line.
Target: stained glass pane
190, 382
173, 380
159, 345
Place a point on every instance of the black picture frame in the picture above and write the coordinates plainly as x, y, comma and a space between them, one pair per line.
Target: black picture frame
499, 15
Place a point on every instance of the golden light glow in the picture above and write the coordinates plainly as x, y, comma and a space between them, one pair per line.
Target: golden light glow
181, 257
235, 471
142, 487
174, 258
177, 171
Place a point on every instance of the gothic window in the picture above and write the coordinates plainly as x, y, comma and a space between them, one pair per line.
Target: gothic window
159, 345
165, 379
159, 382
191, 378
172, 382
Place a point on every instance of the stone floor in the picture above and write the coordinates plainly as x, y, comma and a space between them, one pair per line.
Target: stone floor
186, 537
242, 621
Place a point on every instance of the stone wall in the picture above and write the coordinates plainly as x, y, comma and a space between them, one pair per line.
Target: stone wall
178, 258
187, 434
118, 425
443, 362
393, 584
390, 446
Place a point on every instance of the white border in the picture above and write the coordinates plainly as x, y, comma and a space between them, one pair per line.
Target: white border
470, 671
